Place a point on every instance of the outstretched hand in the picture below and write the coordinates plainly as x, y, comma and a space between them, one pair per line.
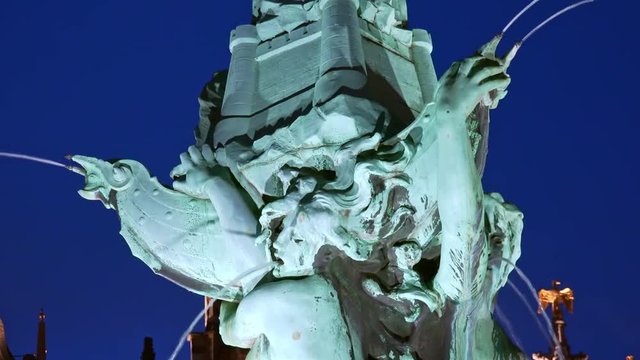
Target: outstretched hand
479, 78
197, 166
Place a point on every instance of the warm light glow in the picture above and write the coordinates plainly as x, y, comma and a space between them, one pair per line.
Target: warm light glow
555, 297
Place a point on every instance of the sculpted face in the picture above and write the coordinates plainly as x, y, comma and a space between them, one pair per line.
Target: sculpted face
303, 233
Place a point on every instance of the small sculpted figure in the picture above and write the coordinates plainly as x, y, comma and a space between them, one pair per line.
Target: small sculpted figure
357, 173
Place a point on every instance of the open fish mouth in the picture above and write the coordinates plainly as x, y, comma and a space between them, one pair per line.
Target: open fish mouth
93, 190
93, 193
96, 186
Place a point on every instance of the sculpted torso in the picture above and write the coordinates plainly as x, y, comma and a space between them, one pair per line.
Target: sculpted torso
382, 241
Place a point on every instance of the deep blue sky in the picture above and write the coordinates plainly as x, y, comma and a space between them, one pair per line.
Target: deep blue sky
119, 79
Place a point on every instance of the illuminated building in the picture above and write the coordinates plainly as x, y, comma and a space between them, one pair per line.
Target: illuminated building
41, 347
208, 345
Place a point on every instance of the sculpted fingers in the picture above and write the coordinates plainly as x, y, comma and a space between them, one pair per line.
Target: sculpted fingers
181, 186
208, 155
467, 64
489, 49
179, 171
196, 168
185, 159
196, 155
496, 82
185, 165
493, 77
500, 94
451, 73
486, 71
511, 54
480, 78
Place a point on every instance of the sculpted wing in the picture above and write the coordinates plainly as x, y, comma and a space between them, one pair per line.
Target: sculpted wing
179, 237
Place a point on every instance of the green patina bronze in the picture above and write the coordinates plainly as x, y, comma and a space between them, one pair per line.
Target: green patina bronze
331, 148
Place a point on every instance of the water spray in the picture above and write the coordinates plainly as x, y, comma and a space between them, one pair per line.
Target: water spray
532, 311
504, 320
570, 7
535, 296
546, 21
504, 30
41, 160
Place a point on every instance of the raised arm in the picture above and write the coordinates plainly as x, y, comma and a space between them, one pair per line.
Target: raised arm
477, 81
